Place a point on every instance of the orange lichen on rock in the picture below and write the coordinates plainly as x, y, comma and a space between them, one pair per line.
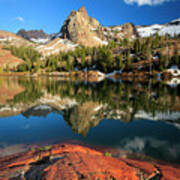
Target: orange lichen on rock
79, 162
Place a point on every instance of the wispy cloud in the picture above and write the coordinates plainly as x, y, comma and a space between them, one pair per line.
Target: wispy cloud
19, 18
146, 2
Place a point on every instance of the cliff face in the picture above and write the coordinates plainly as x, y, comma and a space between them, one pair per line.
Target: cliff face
129, 31
81, 29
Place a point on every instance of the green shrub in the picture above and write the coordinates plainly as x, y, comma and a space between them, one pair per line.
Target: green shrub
107, 154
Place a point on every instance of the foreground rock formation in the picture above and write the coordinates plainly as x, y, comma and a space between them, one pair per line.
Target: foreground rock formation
78, 162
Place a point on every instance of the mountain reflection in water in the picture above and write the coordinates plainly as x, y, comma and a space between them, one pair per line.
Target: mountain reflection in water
138, 117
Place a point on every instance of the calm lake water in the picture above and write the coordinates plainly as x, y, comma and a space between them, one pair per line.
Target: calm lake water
141, 118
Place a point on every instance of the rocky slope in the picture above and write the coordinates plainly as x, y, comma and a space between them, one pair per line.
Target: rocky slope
12, 39
37, 36
55, 46
7, 60
76, 162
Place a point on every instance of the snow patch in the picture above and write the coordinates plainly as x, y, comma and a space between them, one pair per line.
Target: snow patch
6, 39
117, 28
146, 31
101, 41
39, 41
98, 108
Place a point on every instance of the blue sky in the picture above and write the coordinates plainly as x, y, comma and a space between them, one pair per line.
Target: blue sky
49, 15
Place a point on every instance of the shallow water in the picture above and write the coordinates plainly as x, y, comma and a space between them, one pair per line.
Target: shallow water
141, 118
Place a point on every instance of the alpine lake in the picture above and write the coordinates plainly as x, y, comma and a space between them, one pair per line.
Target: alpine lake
141, 118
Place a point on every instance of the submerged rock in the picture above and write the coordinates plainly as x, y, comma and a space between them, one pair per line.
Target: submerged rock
78, 162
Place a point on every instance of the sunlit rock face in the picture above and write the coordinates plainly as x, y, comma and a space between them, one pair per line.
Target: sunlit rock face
79, 28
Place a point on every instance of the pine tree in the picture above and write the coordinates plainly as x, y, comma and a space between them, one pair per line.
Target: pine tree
129, 62
161, 63
83, 59
166, 61
137, 46
175, 36
68, 64
119, 60
176, 55
29, 64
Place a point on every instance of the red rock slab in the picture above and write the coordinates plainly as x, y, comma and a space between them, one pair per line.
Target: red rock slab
33, 156
76, 162
86, 166
168, 172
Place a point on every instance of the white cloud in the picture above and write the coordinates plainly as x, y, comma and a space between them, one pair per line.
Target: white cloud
146, 2
21, 19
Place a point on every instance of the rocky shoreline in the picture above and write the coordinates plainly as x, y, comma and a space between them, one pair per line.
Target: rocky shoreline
68, 161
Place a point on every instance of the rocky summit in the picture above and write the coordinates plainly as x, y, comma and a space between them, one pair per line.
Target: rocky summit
82, 29
38, 36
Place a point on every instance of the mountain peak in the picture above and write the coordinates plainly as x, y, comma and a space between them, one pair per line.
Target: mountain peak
79, 28
83, 10
33, 35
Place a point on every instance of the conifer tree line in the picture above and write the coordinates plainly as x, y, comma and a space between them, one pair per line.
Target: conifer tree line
159, 52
